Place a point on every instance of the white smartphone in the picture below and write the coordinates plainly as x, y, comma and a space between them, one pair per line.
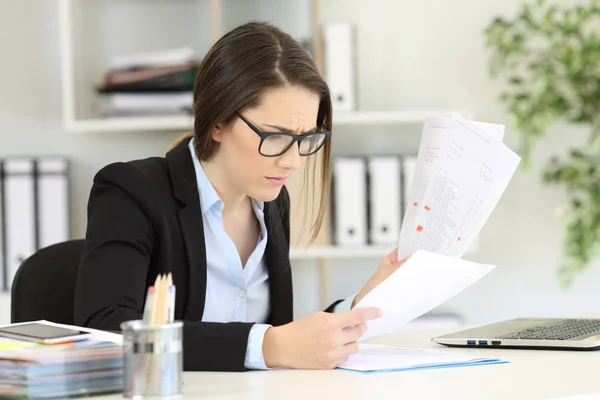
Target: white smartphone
44, 334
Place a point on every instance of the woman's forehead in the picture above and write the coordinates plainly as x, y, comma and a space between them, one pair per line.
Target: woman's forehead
288, 107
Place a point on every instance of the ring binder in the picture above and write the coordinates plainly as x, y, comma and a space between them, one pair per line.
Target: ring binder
3, 262
34, 209
19, 195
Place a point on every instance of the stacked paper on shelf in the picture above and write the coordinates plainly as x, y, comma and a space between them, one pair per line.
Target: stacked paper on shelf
29, 370
150, 84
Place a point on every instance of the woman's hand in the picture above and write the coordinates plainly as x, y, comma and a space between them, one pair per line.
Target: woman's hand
389, 264
317, 341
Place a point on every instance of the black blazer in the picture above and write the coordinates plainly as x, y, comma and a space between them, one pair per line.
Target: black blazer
144, 219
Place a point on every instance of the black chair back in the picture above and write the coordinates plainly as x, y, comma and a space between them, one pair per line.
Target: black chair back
44, 285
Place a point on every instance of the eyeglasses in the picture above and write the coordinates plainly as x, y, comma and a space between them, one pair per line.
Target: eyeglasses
274, 144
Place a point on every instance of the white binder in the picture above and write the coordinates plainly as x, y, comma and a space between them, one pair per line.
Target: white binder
409, 163
19, 197
3, 268
52, 201
350, 201
339, 56
385, 199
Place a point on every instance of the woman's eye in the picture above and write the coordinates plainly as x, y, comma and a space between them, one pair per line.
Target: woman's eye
275, 138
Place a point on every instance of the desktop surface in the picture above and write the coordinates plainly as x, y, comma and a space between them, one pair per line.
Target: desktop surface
531, 374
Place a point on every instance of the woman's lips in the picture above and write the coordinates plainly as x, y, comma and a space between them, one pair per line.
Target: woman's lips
277, 180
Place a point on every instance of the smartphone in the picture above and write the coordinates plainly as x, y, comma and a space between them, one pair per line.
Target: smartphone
44, 334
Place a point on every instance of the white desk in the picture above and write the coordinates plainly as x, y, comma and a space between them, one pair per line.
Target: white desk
531, 374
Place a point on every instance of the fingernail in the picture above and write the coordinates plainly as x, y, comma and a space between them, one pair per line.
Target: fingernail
380, 312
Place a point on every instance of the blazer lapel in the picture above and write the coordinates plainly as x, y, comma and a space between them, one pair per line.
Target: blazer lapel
278, 265
185, 189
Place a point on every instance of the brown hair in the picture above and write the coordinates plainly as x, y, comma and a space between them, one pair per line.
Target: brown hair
237, 69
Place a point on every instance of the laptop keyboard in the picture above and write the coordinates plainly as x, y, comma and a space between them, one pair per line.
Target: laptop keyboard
563, 330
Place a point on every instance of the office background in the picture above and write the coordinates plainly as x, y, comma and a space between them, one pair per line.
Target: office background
426, 55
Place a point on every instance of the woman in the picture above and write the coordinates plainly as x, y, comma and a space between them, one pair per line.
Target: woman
215, 213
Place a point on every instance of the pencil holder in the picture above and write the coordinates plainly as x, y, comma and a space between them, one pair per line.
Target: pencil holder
152, 360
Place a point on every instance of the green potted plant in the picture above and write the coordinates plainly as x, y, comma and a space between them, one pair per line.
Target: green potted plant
548, 56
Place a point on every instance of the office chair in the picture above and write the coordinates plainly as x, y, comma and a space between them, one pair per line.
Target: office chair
44, 285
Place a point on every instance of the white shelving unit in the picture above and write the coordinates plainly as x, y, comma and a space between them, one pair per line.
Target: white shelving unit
92, 31
145, 124
348, 252
85, 23
339, 252
182, 123
407, 117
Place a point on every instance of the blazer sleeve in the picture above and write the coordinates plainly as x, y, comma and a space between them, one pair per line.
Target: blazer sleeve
111, 283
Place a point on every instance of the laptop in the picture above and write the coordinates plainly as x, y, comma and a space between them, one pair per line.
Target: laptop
529, 333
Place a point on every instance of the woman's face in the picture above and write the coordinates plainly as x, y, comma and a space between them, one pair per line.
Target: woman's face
290, 109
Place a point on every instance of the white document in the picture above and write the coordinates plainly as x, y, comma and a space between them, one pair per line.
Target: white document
134, 101
462, 171
495, 129
350, 201
409, 163
385, 199
425, 281
379, 358
154, 59
53, 201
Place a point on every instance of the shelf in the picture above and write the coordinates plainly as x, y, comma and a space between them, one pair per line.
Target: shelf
92, 32
392, 117
133, 124
185, 123
350, 252
339, 252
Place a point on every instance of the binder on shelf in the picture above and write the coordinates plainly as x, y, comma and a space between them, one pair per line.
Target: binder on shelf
385, 199
3, 271
19, 214
349, 201
409, 163
34, 209
339, 56
52, 201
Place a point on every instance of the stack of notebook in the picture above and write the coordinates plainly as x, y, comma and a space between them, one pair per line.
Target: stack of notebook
150, 84
59, 371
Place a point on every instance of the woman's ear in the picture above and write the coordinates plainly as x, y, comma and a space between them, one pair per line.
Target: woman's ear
217, 133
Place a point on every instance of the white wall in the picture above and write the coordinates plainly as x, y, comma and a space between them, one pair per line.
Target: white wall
424, 54
30, 108
431, 54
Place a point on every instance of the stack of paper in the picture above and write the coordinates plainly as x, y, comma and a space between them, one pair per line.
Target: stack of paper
156, 83
462, 169
29, 370
380, 358
461, 172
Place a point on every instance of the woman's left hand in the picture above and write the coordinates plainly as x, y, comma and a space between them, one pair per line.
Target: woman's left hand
389, 264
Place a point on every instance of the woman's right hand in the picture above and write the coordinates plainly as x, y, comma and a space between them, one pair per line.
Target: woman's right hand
317, 341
